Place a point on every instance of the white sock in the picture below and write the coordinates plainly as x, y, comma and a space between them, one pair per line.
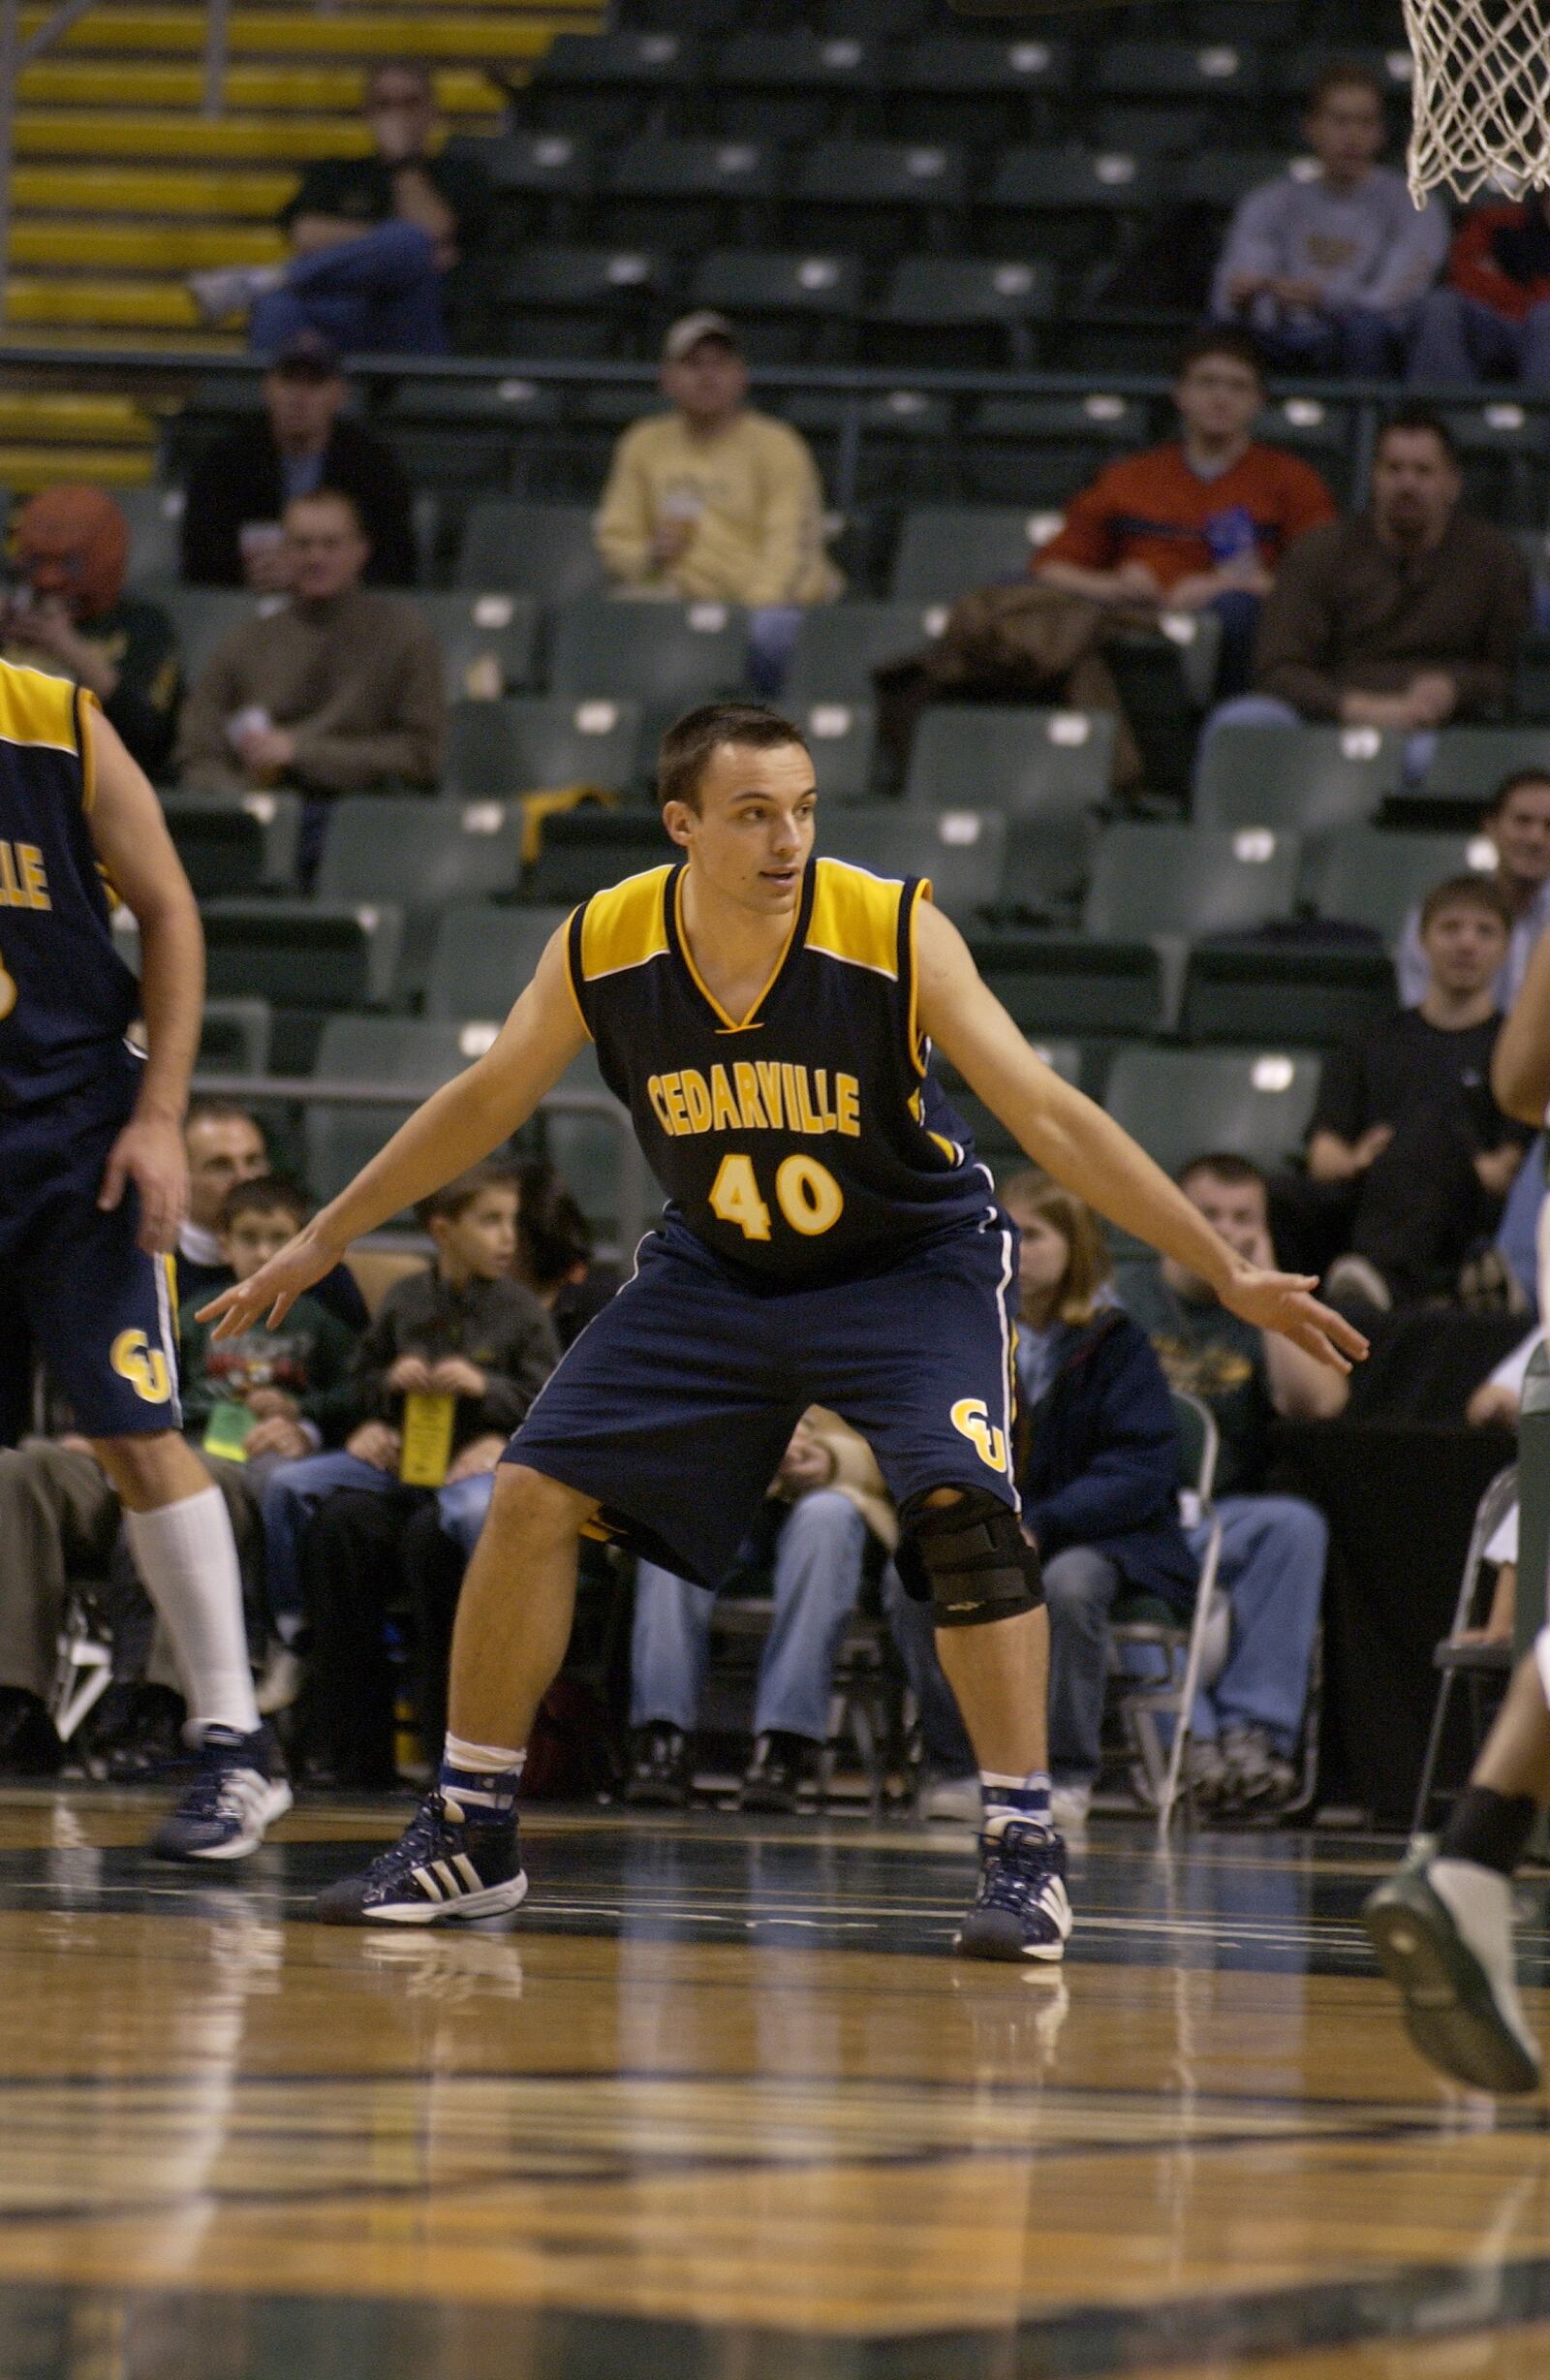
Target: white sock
459, 1753
186, 1555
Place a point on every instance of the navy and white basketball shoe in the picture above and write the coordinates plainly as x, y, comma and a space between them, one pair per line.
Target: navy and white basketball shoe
446, 1867
1020, 1910
239, 1789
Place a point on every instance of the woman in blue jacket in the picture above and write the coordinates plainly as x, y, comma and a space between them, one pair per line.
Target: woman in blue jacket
1099, 1473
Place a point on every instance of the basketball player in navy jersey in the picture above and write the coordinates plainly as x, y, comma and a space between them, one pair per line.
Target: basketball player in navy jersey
767, 1019
92, 1182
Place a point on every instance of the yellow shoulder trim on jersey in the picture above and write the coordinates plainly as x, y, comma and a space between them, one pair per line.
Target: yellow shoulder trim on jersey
855, 918
625, 925
36, 709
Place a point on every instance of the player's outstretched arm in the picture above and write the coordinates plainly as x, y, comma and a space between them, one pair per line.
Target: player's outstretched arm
129, 834
458, 1126
1075, 1141
1520, 1065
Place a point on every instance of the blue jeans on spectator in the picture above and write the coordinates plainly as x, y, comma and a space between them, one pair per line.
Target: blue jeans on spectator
817, 1577
1269, 710
378, 295
1458, 341
1353, 341
1239, 614
463, 1507
1517, 1237
772, 633
292, 1494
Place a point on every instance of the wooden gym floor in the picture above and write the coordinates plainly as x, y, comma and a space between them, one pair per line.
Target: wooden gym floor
719, 2107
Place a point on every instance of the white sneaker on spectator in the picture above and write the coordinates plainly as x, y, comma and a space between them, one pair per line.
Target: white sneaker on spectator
1069, 1807
1352, 1277
232, 289
951, 1800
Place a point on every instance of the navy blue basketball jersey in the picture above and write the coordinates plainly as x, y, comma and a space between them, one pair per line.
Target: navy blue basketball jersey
808, 1140
65, 996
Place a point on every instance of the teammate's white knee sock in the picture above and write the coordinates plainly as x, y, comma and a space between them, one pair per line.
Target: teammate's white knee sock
187, 1557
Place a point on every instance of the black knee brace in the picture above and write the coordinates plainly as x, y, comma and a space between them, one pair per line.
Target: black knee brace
969, 1558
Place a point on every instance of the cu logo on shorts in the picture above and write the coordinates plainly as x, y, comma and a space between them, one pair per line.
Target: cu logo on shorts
144, 1366
970, 1418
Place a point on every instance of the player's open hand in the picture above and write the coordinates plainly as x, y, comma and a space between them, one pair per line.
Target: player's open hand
1284, 1301
149, 1156
273, 1290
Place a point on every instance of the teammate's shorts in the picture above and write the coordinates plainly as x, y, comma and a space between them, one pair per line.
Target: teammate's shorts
674, 1406
73, 1287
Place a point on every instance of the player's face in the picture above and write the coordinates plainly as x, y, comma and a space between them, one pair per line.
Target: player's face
1219, 398
1345, 130
481, 1242
1465, 948
753, 834
1042, 1258
252, 1238
1520, 829
222, 1151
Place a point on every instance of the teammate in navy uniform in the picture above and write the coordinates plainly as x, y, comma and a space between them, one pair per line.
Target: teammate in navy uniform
768, 1017
92, 1183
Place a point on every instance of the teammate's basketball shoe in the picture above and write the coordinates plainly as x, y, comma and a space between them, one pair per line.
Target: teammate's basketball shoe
1443, 1931
239, 1789
1020, 1910
445, 1867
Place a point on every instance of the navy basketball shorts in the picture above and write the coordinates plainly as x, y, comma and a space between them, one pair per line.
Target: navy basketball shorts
73, 1287
674, 1406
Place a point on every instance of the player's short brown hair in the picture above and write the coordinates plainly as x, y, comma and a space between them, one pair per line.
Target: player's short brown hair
1087, 1261
1468, 891
455, 1197
1347, 75
685, 751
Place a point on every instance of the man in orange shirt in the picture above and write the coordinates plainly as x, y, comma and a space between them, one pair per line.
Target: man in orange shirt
1201, 522
1494, 317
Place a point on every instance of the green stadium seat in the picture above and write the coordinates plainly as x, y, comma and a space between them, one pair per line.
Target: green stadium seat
155, 517
1220, 177
489, 640
1179, 1103
1081, 209
1472, 761
841, 644
545, 551
796, 308
1369, 878
991, 305
203, 615
1506, 470
1316, 995
1190, 880
236, 843
583, 302
962, 851
1046, 769
539, 179
604, 85
791, 86
235, 1037
484, 957
533, 742
905, 436
1321, 433
842, 739
664, 654
411, 1050
959, 87
419, 853
1061, 985
587, 1150
462, 436
1037, 449
685, 196
586, 850
875, 197
948, 550
1210, 70
309, 959
1306, 779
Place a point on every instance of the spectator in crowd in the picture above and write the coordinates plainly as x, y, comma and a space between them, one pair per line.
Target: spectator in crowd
1406, 615
717, 502
1098, 1474
1517, 824
1328, 269
373, 238
225, 1147
1247, 1719
554, 1257
463, 1334
338, 692
1409, 1157
303, 440
827, 1504
1493, 318
1201, 523
72, 617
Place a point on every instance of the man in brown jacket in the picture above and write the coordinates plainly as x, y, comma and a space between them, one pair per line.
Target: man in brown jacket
1408, 615
827, 1501
338, 691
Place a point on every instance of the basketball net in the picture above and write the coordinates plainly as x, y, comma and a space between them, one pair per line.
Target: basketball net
1480, 96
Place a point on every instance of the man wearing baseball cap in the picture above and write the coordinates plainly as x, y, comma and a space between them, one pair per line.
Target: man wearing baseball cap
715, 501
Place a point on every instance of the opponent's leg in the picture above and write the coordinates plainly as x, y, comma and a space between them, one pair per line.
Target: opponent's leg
179, 1532
1442, 1924
459, 1857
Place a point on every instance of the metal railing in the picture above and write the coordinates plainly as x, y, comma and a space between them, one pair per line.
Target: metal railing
638, 1198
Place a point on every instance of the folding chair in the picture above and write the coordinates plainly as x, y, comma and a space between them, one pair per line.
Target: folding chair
1476, 1662
1190, 1652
